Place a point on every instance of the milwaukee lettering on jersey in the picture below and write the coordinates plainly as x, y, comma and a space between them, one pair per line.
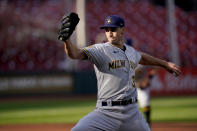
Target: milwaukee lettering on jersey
120, 63
116, 64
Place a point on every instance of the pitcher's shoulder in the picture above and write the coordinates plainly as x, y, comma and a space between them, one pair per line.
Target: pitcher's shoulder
101, 45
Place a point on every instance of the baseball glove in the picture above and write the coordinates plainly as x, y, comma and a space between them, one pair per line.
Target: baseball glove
68, 24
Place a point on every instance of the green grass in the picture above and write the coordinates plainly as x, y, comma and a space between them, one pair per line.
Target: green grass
53, 111
165, 109
174, 109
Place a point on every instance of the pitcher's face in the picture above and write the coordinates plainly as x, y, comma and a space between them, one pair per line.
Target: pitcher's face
114, 35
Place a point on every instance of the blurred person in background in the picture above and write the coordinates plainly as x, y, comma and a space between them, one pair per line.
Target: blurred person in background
143, 77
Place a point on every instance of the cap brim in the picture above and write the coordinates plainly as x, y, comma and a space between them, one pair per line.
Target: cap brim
103, 27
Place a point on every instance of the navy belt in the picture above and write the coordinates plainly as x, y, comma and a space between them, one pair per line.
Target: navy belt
120, 103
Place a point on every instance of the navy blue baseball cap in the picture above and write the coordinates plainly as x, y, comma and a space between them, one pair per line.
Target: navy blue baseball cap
113, 21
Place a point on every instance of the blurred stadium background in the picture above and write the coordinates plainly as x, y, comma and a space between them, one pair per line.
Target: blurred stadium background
33, 63
32, 60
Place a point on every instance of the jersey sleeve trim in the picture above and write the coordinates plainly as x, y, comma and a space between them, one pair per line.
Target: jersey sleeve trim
86, 52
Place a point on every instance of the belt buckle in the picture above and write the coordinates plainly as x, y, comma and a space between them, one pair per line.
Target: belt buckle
109, 103
121, 102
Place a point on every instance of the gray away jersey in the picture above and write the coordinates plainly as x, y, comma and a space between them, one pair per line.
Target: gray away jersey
114, 70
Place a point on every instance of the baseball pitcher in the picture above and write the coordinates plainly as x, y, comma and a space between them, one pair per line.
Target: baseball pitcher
114, 63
